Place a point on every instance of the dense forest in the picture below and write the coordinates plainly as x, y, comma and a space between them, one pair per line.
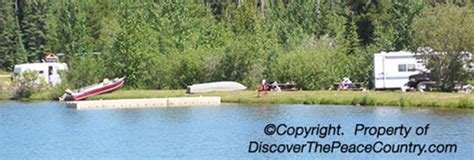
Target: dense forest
167, 44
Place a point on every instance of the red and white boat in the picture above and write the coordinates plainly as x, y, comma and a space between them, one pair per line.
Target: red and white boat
83, 93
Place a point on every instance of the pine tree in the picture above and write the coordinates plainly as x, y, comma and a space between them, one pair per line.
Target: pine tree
392, 25
11, 49
351, 44
34, 28
96, 12
72, 30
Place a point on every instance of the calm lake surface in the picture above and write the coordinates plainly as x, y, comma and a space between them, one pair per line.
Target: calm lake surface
45, 130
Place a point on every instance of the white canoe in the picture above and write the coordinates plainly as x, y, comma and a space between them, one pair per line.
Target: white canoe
215, 86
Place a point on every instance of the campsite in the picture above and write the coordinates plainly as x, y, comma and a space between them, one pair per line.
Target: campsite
245, 45
236, 79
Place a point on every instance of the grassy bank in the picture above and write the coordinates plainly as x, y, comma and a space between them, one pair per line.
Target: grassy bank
5, 81
372, 98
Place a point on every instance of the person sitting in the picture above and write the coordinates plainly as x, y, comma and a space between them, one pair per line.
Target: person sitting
345, 84
275, 87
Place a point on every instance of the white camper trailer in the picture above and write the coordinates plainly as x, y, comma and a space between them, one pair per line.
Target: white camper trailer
48, 71
392, 69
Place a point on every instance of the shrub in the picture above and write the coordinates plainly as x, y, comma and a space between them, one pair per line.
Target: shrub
83, 71
28, 83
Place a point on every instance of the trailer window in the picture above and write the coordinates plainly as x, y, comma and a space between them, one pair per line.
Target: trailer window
402, 68
40, 72
411, 67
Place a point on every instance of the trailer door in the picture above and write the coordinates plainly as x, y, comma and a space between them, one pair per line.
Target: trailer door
379, 71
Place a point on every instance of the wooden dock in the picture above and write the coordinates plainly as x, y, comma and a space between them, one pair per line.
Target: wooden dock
145, 103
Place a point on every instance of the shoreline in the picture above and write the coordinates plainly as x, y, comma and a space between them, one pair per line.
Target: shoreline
370, 98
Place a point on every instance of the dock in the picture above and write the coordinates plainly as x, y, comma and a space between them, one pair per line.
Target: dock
145, 103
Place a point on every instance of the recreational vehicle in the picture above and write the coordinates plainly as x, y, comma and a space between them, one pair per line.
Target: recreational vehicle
47, 71
392, 69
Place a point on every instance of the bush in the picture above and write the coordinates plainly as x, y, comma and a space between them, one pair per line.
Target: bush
28, 83
84, 71
316, 66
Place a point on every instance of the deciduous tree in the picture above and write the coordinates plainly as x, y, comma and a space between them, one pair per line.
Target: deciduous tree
446, 33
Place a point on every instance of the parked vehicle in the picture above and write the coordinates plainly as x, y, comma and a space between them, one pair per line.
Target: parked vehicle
392, 69
422, 82
48, 71
426, 82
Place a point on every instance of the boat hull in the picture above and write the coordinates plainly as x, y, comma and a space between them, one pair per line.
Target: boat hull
98, 90
215, 86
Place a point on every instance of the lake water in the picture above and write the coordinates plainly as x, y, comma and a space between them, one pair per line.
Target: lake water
45, 130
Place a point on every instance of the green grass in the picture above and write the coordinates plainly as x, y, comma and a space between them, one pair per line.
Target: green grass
4, 95
371, 98
5, 83
2, 72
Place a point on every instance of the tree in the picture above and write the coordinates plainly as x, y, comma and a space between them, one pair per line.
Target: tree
72, 36
351, 43
129, 56
392, 25
33, 28
446, 33
11, 48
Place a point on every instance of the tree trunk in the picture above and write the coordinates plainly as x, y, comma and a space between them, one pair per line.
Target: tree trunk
19, 13
318, 9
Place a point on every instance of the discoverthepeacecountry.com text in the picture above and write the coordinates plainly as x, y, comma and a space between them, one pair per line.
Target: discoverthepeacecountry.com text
337, 146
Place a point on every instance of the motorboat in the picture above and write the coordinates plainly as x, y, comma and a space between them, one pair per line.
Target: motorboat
85, 92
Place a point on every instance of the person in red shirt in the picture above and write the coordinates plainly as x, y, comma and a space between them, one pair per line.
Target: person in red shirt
262, 88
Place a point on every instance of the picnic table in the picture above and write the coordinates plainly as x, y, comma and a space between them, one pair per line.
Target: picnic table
288, 87
283, 87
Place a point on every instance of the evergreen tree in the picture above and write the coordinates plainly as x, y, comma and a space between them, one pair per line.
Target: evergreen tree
351, 43
393, 24
11, 49
95, 13
34, 28
72, 36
